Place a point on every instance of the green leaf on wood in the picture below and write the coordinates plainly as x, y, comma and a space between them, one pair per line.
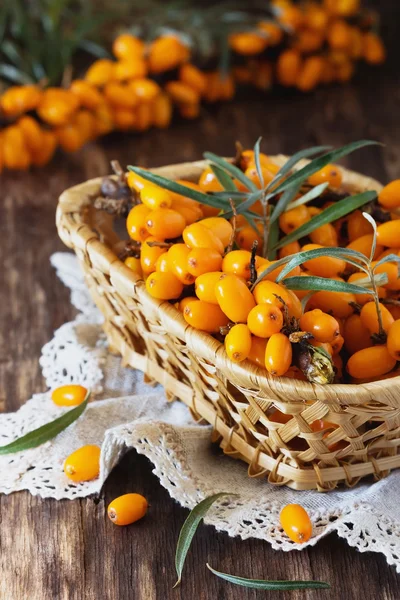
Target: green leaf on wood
263, 584
45, 432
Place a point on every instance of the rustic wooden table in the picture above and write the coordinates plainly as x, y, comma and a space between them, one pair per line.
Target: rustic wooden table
68, 550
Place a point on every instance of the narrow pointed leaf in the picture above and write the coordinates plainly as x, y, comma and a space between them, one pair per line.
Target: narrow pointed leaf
315, 192
285, 199
243, 207
257, 161
273, 240
224, 179
387, 259
332, 213
318, 163
380, 279
295, 158
278, 263
371, 220
231, 169
45, 432
302, 257
319, 284
264, 584
189, 528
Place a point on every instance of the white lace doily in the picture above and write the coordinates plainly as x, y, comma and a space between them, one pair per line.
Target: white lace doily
127, 413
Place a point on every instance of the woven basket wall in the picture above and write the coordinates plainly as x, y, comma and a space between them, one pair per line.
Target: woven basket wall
152, 336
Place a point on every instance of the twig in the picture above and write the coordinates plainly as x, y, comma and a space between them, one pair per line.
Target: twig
233, 222
159, 244
238, 155
253, 270
118, 170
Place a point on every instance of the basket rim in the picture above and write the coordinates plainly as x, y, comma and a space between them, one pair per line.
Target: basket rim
74, 199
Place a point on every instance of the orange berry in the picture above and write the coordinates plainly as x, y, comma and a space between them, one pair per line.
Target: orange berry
19, 99
257, 351
205, 286
293, 219
205, 316
198, 236
238, 343
278, 354
136, 221
144, 89
356, 335
324, 327
155, 197
245, 238
247, 159
388, 234
363, 244
339, 35
165, 223
330, 174
185, 301
288, 67
164, 286
57, 106
325, 266
149, 255
369, 317
203, 260
264, 320
221, 227
370, 362
133, 264
316, 17
44, 154
338, 304
248, 43
357, 226
234, 297
104, 119
289, 249
167, 52
238, 262
136, 182
177, 257
393, 340
69, 395
268, 172
193, 77
88, 96
189, 209
100, 72
127, 47
182, 93
325, 236
127, 509
273, 32
85, 121
310, 73
162, 111
324, 345
83, 464
362, 298
373, 49
32, 133
309, 40
342, 8
15, 152
119, 95
69, 137
162, 263
392, 271
296, 523
208, 181
337, 344
272, 293
124, 119
389, 196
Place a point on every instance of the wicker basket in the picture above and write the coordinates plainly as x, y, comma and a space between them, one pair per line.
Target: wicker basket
236, 399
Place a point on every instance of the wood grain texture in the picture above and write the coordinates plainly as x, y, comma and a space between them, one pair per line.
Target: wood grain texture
69, 550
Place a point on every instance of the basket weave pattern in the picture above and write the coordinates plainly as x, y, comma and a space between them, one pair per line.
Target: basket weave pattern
236, 399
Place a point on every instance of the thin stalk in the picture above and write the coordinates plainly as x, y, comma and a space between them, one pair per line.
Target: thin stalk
382, 333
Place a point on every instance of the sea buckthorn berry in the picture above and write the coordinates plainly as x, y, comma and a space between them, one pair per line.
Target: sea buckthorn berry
392, 271
325, 236
364, 298
85, 121
69, 137
246, 236
208, 181
144, 116
182, 197
193, 77
316, 17
278, 354
185, 301
264, 320
373, 49
257, 351
393, 340
205, 286
203, 260
268, 172
189, 111
144, 89
182, 93
162, 111
288, 67
338, 304
292, 219
15, 152
119, 95
164, 286
57, 106
155, 197
198, 236
167, 52
323, 327
356, 335
325, 266
162, 263
342, 8
136, 182
127, 509
363, 244
289, 249
310, 73
21, 98
189, 209
247, 159
69, 395
273, 32
238, 343
339, 35
357, 226
32, 132
100, 72
248, 43
133, 264
337, 344
388, 234
136, 222
369, 317
127, 47
221, 227
89, 97
238, 262
296, 523
205, 316
125, 70
124, 119
165, 223
272, 293
83, 464
177, 257
104, 119
44, 154
389, 196
234, 297
324, 345
330, 174
149, 255
370, 362
309, 40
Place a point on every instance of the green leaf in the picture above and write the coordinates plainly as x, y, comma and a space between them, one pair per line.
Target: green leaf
387, 259
231, 169
294, 159
189, 528
15, 75
371, 220
45, 432
285, 199
257, 161
380, 279
315, 192
319, 284
242, 208
343, 253
178, 188
263, 584
223, 178
273, 240
318, 163
332, 213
